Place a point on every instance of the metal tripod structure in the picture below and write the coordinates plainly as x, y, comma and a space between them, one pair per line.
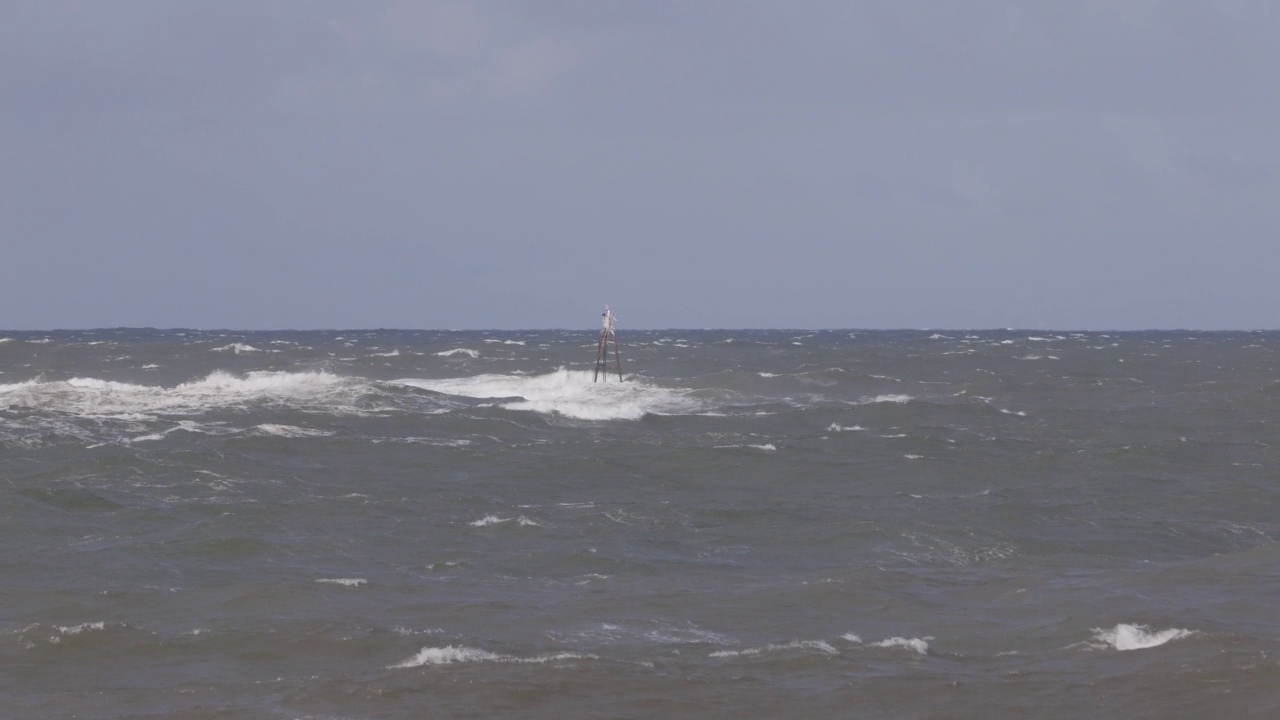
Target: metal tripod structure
602, 347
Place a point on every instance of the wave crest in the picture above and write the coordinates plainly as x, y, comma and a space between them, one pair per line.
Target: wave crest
571, 393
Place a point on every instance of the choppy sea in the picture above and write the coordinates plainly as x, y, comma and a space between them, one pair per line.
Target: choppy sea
772, 524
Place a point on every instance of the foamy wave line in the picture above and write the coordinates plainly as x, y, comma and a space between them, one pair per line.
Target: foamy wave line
570, 393
462, 654
290, 431
919, 645
916, 645
819, 645
239, 348
108, 398
82, 627
488, 520
887, 399
65, 631
348, 582
460, 351
1134, 637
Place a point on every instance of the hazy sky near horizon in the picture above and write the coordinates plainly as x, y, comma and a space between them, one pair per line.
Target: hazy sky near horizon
1103, 164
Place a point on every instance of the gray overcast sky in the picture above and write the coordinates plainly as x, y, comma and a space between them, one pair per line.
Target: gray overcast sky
418, 164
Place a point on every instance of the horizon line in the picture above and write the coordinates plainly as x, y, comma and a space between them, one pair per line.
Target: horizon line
640, 329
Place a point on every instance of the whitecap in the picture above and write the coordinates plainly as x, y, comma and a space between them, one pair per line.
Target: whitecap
290, 431
409, 632
239, 348
496, 520
888, 399
836, 427
570, 393
488, 520
919, 645
349, 582
459, 351
461, 654
82, 627
393, 353
819, 645
1135, 637
767, 447
94, 397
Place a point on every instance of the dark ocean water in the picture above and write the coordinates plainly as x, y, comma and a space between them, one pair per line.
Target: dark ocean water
383, 524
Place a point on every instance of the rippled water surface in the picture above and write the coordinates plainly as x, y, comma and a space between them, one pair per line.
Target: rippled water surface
380, 524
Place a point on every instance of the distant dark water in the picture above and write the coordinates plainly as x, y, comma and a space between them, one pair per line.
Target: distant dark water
756, 524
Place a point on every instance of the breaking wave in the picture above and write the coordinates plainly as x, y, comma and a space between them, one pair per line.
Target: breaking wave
1134, 637
93, 397
450, 654
571, 393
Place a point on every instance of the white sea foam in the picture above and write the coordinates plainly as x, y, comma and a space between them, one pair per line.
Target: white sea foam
94, 397
82, 627
290, 431
150, 438
768, 447
571, 393
488, 520
460, 351
1134, 637
393, 353
461, 654
349, 582
836, 427
239, 348
888, 399
820, 646
919, 645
